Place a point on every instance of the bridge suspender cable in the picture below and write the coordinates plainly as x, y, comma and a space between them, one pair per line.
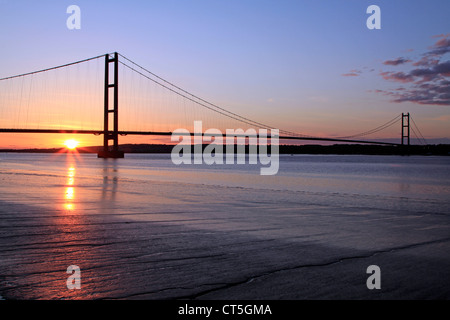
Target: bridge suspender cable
421, 138
201, 101
186, 97
379, 128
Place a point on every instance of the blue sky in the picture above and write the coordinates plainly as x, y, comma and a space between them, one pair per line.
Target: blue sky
280, 62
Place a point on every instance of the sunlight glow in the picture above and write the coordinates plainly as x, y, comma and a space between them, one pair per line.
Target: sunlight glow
71, 144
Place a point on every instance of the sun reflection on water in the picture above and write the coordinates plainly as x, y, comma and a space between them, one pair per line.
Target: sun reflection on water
69, 195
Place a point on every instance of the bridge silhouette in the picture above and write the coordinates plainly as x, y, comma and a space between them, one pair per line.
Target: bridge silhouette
24, 94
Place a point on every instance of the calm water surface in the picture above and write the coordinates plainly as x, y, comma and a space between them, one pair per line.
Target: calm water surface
82, 181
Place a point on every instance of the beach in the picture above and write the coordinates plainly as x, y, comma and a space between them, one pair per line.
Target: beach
143, 228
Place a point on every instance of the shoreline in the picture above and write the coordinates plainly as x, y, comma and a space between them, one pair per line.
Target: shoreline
336, 149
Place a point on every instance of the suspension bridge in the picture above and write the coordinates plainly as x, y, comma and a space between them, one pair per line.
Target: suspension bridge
83, 97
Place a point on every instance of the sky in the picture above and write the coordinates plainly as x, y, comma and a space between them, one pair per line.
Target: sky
312, 67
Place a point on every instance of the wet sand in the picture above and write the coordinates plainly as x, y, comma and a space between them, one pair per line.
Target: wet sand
238, 246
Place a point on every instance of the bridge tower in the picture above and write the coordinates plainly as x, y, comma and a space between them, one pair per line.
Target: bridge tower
405, 128
111, 151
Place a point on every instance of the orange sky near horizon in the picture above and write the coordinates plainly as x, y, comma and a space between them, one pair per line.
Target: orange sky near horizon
49, 141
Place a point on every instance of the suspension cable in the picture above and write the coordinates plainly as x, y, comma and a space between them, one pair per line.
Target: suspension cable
203, 102
417, 127
184, 96
53, 68
222, 111
379, 128
417, 137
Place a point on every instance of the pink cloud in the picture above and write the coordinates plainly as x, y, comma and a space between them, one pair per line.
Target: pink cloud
396, 62
397, 76
351, 74
427, 82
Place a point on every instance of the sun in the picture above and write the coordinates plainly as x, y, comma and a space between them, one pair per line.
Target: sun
71, 144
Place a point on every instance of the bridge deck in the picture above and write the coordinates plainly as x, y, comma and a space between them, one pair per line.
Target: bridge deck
157, 133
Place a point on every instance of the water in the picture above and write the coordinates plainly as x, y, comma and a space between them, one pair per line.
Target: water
408, 183
198, 227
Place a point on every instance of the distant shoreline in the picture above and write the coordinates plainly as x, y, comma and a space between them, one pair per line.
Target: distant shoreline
440, 149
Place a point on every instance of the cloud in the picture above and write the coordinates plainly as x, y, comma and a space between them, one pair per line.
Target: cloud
426, 61
443, 68
396, 62
425, 93
351, 74
397, 76
426, 74
427, 82
441, 35
441, 47
436, 72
